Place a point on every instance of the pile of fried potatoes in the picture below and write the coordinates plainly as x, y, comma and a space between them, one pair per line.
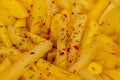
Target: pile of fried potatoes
59, 40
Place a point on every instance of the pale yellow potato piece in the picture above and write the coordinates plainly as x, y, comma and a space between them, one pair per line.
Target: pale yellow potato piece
18, 68
88, 53
6, 17
98, 9
95, 68
113, 74
63, 4
55, 72
20, 23
5, 65
111, 26
4, 36
15, 8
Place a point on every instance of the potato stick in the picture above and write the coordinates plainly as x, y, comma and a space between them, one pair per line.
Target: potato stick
107, 59
42, 75
95, 68
113, 74
116, 2
40, 18
61, 56
88, 53
35, 37
87, 5
75, 11
14, 58
109, 45
5, 65
105, 13
97, 11
6, 17
17, 69
4, 36
27, 75
55, 72
15, 8
18, 41
76, 37
86, 75
105, 77
51, 56
20, 23
63, 4
31, 75
15, 38
91, 31
8, 51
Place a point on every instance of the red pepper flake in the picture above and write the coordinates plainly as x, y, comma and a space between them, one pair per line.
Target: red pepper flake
32, 53
23, 40
48, 32
70, 61
16, 47
53, 2
68, 50
31, 5
48, 38
65, 15
63, 49
72, 13
76, 47
28, 11
32, 41
47, 68
26, 36
44, 24
62, 53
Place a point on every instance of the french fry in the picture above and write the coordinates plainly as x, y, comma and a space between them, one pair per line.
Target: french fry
8, 51
97, 11
94, 68
20, 23
5, 65
87, 5
61, 56
55, 72
91, 31
88, 53
113, 74
107, 59
86, 75
4, 36
63, 4
79, 25
40, 18
105, 13
6, 17
15, 8
51, 56
42, 75
18, 68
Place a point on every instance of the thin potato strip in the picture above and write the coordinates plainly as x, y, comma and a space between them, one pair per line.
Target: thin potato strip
88, 53
63, 19
16, 70
6, 17
4, 36
5, 65
55, 72
42, 75
15, 8
76, 37
97, 11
